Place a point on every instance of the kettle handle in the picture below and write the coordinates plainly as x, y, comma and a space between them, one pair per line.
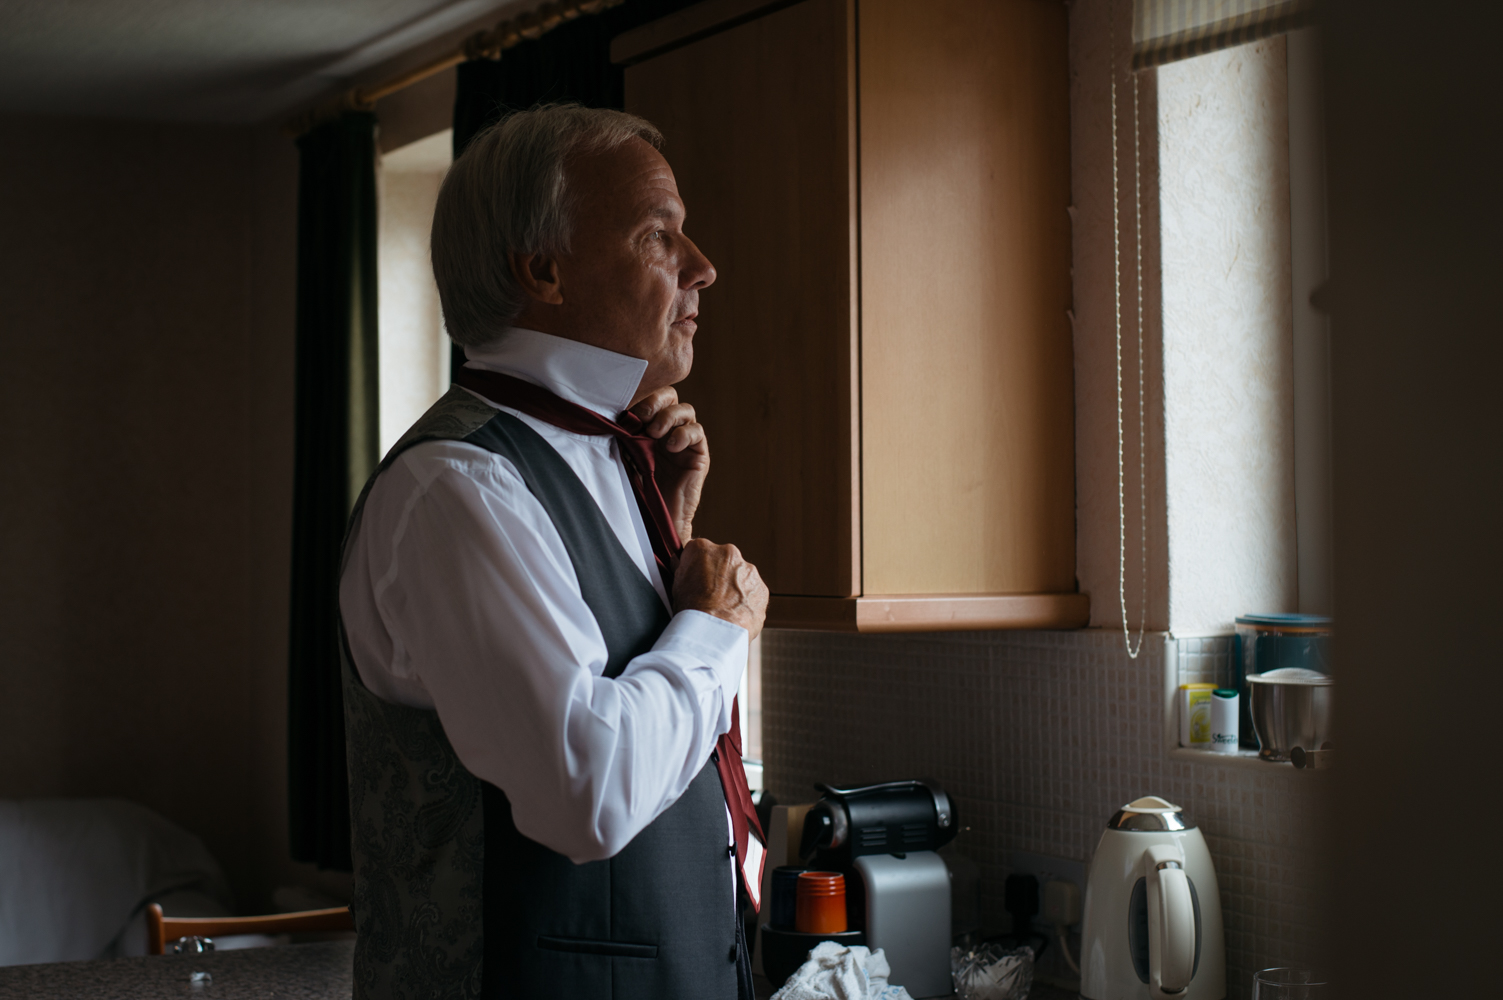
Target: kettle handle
1171, 922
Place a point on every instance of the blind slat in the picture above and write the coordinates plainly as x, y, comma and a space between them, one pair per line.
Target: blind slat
1167, 30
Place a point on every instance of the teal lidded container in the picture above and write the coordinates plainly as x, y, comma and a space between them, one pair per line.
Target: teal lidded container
1268, 642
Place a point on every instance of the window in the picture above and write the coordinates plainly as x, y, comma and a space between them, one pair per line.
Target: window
414, 350
1246, 393
751, 715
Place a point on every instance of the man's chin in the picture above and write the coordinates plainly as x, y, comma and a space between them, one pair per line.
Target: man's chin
679, 357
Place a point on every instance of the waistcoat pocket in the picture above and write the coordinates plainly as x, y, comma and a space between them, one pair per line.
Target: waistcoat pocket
583, 946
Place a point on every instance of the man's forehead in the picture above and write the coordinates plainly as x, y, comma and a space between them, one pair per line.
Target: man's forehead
633, 177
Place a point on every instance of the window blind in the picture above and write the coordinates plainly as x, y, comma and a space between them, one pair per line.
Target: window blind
1166, 30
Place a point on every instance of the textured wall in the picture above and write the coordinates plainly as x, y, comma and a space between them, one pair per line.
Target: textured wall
1040, 737
1228, 336
146, 295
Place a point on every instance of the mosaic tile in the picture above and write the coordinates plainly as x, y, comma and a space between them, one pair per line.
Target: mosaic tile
1039, 737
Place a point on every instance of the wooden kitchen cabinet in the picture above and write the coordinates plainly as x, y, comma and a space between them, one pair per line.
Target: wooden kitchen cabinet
884, 363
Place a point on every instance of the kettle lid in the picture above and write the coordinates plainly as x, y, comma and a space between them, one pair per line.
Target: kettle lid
1148, 813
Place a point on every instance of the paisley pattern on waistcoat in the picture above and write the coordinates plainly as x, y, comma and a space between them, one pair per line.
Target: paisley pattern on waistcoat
417, 825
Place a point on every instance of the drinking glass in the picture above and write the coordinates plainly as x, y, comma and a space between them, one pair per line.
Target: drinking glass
1289, 984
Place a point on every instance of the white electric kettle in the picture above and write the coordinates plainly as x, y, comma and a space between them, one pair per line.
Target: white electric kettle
1152, 910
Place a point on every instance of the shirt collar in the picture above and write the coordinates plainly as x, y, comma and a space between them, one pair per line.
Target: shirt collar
593, 377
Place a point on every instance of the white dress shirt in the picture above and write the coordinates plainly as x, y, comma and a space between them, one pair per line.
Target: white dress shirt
458, 595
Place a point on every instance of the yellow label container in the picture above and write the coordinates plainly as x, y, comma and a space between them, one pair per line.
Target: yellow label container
1195, 716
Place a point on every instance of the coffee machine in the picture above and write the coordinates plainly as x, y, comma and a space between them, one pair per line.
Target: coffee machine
883, 838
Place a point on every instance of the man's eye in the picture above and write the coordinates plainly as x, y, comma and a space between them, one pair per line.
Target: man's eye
656, 235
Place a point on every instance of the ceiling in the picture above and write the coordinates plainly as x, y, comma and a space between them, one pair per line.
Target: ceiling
207, 60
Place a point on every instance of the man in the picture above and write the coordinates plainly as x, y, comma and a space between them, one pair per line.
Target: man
546, 796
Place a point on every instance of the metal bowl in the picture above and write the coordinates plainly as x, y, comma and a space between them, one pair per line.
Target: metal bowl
1291, 707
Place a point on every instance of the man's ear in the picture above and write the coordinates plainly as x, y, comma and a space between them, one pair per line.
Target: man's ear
538, 275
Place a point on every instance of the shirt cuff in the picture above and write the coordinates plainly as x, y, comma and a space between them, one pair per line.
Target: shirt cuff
719, 644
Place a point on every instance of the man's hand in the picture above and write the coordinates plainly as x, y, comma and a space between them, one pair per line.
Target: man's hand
683, 458
715, 579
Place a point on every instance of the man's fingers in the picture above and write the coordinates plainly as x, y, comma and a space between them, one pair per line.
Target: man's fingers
684, 436
668, 418
655, 402
717, 580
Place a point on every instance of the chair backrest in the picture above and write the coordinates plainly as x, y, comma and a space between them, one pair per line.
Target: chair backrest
162, 930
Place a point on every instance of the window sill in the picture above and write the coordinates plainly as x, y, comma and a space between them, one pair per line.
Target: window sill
1243, 759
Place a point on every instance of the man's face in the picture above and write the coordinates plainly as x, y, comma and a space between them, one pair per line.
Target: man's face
631, 279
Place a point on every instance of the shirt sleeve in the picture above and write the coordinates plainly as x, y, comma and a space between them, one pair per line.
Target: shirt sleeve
484, 604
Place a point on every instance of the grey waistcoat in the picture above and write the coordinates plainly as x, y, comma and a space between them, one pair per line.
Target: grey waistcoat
450, 899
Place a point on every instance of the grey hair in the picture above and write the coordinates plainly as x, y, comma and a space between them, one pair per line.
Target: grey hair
508, 193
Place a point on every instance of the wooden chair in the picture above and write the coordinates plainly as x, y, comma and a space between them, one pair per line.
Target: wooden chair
162, 930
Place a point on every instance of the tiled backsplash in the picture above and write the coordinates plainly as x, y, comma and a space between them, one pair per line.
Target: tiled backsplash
1205, 660
1039, 737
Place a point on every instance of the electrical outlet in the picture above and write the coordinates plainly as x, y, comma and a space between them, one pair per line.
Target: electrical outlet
1047, 870
1061, 904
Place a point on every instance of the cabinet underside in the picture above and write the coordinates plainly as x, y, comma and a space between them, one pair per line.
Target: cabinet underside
930, 612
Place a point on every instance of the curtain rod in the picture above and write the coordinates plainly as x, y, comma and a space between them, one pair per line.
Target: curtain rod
480, 45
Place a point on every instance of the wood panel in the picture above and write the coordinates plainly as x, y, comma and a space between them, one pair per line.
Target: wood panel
967, 381
685, 26
758, 127
930, 612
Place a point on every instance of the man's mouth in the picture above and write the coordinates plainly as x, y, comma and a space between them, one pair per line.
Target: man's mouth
687, 322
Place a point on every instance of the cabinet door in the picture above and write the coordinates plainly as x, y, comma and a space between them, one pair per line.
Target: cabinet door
968, 450
758, 127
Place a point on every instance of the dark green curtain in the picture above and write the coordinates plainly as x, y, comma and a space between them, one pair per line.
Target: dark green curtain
570, 63
336, 439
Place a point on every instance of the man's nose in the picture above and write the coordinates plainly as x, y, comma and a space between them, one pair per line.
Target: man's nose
697, 271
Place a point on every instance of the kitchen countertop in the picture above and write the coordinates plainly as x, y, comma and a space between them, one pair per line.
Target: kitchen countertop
1040, 991
294, 972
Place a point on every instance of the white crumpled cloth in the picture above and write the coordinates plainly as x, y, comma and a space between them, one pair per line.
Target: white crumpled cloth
834, 972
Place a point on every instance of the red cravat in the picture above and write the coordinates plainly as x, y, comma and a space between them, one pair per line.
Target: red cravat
638, 455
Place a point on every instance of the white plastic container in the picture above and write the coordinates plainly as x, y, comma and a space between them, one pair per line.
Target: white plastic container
1225, 712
